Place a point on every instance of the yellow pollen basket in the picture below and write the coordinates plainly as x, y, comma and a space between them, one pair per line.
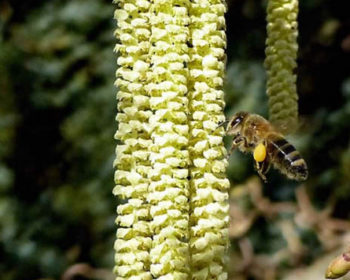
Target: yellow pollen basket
260, 152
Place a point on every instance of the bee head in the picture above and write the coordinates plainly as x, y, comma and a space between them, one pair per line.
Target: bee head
235, 124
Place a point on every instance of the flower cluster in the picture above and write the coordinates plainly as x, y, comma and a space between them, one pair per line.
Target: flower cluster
280, 63
169, 186
209, 207
171, 159
134, 239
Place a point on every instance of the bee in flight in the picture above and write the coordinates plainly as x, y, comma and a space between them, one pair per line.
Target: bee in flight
253, 133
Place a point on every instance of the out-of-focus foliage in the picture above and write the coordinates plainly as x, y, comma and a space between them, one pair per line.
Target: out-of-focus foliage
57, 110
56, 131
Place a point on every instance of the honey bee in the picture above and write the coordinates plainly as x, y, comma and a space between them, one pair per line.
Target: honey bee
253, 133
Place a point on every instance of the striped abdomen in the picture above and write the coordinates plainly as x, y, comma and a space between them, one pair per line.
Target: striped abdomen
287, 159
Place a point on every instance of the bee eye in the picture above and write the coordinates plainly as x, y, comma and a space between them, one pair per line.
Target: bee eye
236, 121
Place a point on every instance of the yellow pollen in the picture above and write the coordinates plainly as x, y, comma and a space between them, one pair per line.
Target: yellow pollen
260, 153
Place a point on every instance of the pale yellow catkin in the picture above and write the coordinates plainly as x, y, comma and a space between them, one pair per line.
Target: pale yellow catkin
171, 162
209, 198
169, 185
280, 63
134, 238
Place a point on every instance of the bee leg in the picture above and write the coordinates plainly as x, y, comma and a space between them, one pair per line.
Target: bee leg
262, 168
237, 140
233, 147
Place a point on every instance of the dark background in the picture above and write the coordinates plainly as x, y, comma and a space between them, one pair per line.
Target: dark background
57, 111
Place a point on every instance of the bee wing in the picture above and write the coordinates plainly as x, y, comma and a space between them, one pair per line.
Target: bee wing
263, 128
285, 126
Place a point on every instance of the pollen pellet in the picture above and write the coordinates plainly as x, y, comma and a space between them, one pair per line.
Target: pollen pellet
260, 152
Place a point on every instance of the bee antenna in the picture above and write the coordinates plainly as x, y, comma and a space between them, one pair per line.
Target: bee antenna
222, 124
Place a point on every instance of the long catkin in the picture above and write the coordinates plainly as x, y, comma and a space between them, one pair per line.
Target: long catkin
280, 63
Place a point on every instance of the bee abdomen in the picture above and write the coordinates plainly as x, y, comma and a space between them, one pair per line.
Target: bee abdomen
290, 161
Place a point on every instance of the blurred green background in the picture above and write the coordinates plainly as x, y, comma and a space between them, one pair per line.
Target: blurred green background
57, 111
